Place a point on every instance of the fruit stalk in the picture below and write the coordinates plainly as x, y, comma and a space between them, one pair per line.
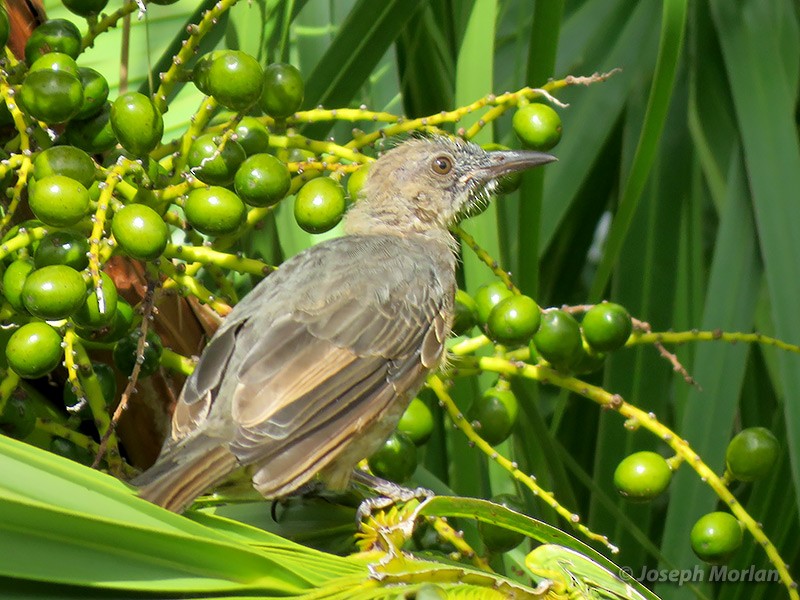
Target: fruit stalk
440, 389
650, 422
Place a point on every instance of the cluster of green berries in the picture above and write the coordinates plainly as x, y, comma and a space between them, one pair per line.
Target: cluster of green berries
78, 135
238, 169
553, 335
716, 536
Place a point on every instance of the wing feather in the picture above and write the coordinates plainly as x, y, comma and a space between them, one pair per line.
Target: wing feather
319, 352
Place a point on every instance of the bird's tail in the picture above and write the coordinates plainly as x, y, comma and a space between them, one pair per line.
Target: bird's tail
180, 476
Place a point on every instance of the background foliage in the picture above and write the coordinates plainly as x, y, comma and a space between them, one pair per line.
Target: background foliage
675, 194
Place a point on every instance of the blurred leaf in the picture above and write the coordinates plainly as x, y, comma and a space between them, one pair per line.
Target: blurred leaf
673, 21
475, 79
709, 412
426, 64
765, 110
367, 32
594, 112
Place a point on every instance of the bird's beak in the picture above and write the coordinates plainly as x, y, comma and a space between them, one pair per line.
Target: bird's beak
503, 162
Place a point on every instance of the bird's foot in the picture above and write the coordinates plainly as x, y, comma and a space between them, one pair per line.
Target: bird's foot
388, 494
387, 522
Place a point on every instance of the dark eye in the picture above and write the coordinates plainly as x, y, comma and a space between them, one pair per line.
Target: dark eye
442, 165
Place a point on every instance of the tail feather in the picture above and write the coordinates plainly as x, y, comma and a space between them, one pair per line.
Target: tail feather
180, 476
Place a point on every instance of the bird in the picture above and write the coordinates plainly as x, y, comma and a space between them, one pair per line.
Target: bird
311, 371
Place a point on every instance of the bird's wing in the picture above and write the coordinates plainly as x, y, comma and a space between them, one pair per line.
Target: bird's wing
321, 354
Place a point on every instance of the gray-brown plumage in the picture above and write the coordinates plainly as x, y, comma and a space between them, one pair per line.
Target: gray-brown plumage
312, 370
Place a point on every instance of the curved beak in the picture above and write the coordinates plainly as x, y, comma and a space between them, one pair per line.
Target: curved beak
502, 162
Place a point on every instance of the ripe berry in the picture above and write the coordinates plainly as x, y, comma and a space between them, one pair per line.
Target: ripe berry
752, 453
262, 180
514, 320
213, 165
716, 537
137, 123
417, 422
606, 326
319, 205
494, 414
283, 90
65, 160
499, 539
538, 126
488, 296
140, 232
214, 210
396, 460
642, 476
558, 339
34, 350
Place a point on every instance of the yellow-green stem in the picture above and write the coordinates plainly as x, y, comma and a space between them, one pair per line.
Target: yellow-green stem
649, 421
460, 421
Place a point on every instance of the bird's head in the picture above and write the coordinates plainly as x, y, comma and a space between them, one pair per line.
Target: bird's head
430, 183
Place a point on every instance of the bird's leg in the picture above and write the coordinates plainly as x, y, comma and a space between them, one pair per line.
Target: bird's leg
388, 493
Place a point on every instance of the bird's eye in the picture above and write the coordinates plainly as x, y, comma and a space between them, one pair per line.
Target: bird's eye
442, 165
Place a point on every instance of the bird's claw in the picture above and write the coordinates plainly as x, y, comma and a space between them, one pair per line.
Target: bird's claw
388, 493
389, 496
